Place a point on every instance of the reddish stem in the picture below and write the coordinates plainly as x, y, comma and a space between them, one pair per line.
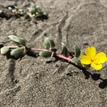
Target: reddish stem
60, 56
64, 57
12, 46
38, 49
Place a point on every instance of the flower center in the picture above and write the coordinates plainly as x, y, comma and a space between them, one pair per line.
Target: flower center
92, 59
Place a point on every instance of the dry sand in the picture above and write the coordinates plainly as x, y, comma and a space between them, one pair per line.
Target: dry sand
30, 82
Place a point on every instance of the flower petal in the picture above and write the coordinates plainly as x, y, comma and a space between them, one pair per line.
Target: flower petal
85, 59
96, 66
91, 52
100, 58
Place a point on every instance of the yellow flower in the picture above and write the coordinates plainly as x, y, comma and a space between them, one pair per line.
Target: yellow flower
95, 60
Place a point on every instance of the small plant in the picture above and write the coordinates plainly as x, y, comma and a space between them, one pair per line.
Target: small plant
36, 12
90, 59
83, 61
32, 11
15, 10
17, 50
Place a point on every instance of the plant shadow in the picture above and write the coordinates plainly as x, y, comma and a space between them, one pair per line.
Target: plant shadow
29, 52
94, 76
87, 74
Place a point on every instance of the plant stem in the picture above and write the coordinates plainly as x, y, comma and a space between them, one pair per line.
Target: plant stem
38, 49
60, 56
12, 46
56, 55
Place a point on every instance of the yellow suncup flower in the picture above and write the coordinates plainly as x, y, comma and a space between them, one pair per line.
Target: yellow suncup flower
92, 58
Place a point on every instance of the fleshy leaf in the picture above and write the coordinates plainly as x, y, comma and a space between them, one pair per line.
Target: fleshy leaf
65, 51
4, 50
17, 52
35, 9
45, 54
17, 40
77, 51
75, 60
48, 43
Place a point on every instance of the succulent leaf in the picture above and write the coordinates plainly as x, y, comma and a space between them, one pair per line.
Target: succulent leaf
4, 50
77, 51
75, 60
65, 51
17, 40
45, 54
48, 43
17, 52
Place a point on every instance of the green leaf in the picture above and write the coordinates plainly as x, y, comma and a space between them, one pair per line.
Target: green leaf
17, 52
77, 51
4, 50
48, 43
45, 54
75, 60
35, 9
65, 51
17, 40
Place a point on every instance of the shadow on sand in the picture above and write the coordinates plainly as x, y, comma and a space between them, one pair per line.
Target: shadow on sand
94, 76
